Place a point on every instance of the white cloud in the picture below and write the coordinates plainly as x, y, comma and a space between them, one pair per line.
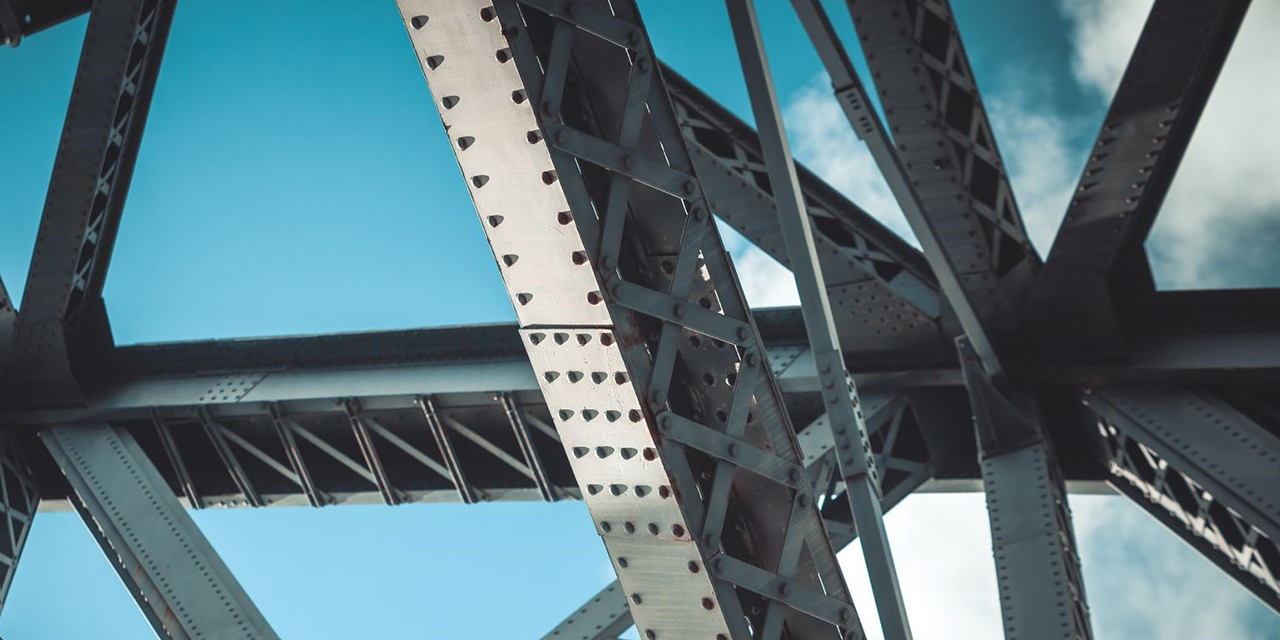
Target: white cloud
822, 139
1219, 223
1145, 584
1034, 141
942, 548
765, 282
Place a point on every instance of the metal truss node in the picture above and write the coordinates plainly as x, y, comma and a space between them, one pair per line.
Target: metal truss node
636, 378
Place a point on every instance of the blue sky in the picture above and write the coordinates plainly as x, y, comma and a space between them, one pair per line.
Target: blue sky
295, 179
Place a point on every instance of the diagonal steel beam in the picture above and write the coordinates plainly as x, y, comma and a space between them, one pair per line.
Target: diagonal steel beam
942, 134
629, 308
173, 573
62, 312
1204, 469
606, 615
853, 450
1097, 262
887, 297
930, 228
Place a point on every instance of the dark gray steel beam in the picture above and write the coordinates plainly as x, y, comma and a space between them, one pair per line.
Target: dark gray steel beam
944, 139
1037, 564
1098, 264
1030, 523
887, 299
931, 229
21, 18
631, 313
8, 315
1204, 469
62, 312
844, 414
18, 500
179, 582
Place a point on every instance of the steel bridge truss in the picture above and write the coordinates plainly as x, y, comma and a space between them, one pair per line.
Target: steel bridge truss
725, 456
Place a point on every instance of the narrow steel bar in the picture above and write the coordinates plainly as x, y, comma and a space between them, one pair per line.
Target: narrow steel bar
229, 459
173, 573
369, 451
175, 459
844, 413
466, 491
413, 452
856, 105
315, 496
528, 447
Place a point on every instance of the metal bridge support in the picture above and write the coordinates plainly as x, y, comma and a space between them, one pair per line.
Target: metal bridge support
606, 615
1205, 470
631, 314
62, 311
18, 500
853, 449
179, 582
1037, 568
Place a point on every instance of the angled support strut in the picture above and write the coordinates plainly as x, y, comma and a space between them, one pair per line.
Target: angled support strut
179, 582
853, 450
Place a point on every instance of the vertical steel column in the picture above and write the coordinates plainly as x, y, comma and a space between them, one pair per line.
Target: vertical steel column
179, 582
18, 500
632, 316
1037, 566
853, 450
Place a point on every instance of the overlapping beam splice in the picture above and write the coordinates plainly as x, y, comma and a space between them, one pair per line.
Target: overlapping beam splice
632, 315
941, 131
62, 308
170, 569
1097, 258
1204, 469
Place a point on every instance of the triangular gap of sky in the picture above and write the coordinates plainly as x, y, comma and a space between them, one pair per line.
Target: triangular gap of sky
1220, 224
295, 179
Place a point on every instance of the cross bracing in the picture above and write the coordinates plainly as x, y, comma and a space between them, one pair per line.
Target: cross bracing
971, 365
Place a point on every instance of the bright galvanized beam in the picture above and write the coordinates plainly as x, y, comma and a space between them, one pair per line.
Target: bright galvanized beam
62, 309
1204, 469
844, 415
173, 573
630, 312
1098, 263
